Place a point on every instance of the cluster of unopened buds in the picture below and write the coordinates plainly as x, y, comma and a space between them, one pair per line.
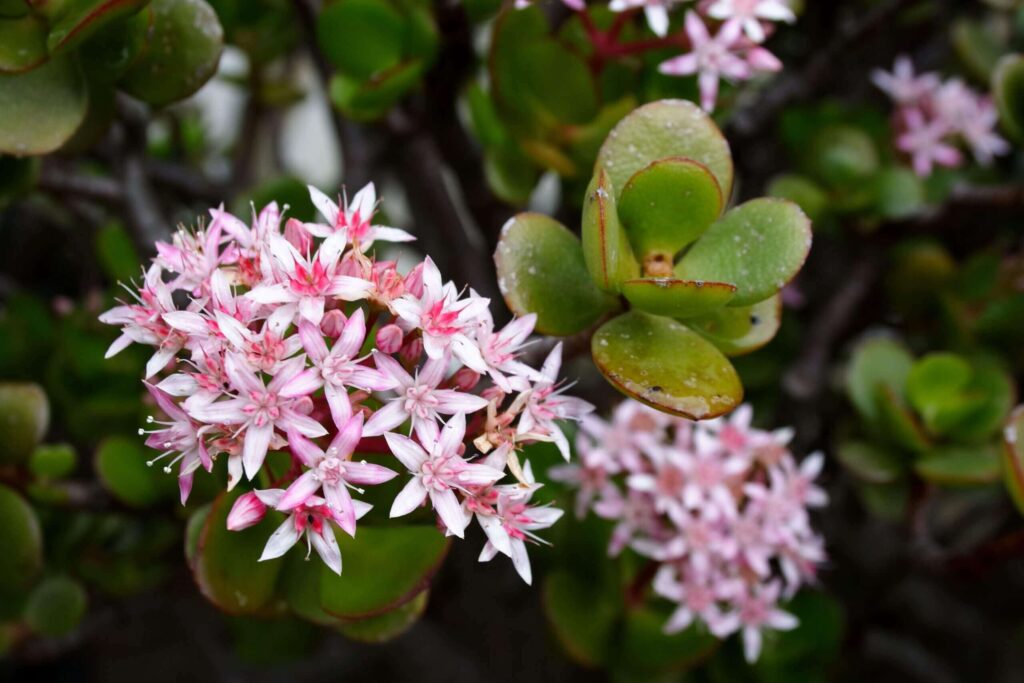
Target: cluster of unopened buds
733, 52
933, 117
721, 508
300, 340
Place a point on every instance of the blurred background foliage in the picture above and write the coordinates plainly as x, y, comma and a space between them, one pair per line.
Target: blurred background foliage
900, 353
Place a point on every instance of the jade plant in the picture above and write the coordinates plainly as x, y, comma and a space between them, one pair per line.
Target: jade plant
668, 281
934, 419
62, 62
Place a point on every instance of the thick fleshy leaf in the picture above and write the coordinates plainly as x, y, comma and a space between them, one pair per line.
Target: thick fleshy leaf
676, 298
53, 461
758, 246
803, 191
899, 193
22, 44
181, 55
40, 109
898, 422
811, 646
840, 156
977, 45
108, 54
1013, 457
666, 365
56, 606
74, 21
390, 624
957, 399
667, 128
646, 649
870, 463
22, 558
361, 37
606, 249
736, 331
1008, 89
383, 568
121, 466
878, 360
960, 465
582, 614
226, 565
365, 100
541, 270
667, 205
116, 253
24, 419
299, 585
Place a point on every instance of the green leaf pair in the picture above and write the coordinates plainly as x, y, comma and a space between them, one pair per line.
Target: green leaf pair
61, 63
935, 416
699, 284
382, 589
380, 48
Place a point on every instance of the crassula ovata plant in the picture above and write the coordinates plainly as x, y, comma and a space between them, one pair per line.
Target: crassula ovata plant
674, 281
294, 340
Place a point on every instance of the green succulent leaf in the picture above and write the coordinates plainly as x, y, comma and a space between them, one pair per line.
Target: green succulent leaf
803, 191
871, 463
22, 43
361, 37
107, 55
668, 204
647, 649
226, 565
843, 155
21, 538
1008, 88
384, 568
42, 108
606, 249
899, 193
666, 365
583, 614
24, 419
666, 128
181, 55
977, 46
366, 100
76, 20
121, 466
875, 361
960, 465
738, 331
758, 246
1013, 457
53, 461
955, 398
899, 423
541, 269
388, 625
676, 298
13, 9
56, 606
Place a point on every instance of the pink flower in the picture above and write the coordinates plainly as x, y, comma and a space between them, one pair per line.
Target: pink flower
721, 56
247, 511
500, 349
748, 14
355, 219
757, 610
925, 142
546, 402
194, 256
903, 85
259, 408
438, 471
419, 398
313, 520
513, 524
180, 435
444, 319
308, 282
340, 367
334, 471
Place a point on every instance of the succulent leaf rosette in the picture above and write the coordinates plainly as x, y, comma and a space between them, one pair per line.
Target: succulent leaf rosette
325, 379
675, 282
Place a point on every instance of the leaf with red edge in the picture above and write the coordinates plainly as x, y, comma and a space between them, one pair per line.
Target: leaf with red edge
677, 298
73, 21
606, 248
1013, 457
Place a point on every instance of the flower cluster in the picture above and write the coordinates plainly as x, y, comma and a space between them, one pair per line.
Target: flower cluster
268, 339
721, 507
733, 53
934, 116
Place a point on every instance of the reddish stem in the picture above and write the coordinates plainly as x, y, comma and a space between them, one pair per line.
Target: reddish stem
607, 46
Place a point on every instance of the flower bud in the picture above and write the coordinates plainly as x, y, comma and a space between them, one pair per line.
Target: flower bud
411, 351
296, 233
465, 379
414, 281
333, 323
389, 338
247, 511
